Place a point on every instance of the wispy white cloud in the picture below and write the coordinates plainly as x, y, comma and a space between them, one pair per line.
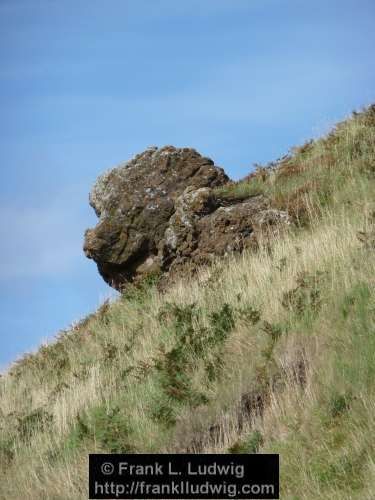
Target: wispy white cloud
251, 90
41, 241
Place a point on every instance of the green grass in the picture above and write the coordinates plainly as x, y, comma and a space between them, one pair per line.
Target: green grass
315, 173
272, 351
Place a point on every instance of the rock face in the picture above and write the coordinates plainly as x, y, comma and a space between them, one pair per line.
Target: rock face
158, 213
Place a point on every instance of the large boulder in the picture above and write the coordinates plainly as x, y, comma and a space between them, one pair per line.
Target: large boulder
134, 203
158, 213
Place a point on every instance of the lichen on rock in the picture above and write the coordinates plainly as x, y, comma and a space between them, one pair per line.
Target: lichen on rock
158, 212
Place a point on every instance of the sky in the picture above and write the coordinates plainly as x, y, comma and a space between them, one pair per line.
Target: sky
87, 84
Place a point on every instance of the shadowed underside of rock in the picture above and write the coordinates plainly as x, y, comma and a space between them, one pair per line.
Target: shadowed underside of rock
157, 213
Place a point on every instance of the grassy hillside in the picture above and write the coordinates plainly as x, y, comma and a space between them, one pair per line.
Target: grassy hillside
271, 351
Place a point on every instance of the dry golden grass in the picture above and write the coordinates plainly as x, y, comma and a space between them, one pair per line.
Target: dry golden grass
288, 367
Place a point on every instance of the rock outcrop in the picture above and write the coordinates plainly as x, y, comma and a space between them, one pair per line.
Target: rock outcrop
158, 213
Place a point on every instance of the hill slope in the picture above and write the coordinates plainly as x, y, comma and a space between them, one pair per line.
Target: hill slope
272, 351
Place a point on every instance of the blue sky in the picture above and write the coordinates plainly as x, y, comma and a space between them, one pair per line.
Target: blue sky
86, 84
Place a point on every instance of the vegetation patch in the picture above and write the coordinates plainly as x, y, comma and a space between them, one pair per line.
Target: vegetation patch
196, 345
249, 445
107, 427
